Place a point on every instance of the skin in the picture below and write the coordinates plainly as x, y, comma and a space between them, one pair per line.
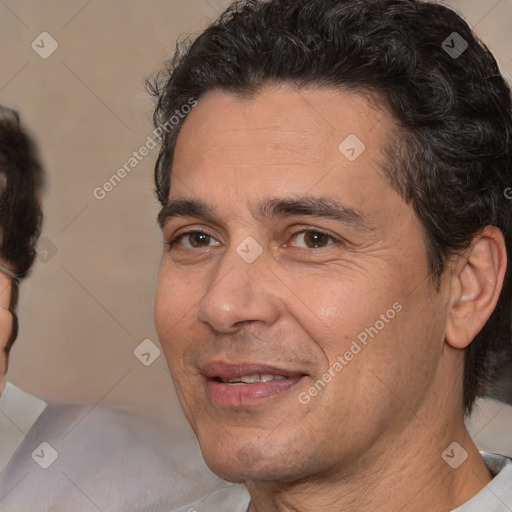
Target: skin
5, 326
372, 438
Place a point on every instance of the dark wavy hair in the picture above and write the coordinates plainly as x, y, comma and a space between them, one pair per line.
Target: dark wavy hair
450, 155
21, 180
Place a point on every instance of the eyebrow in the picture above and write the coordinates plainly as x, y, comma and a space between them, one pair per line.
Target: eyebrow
184, 208
321, 207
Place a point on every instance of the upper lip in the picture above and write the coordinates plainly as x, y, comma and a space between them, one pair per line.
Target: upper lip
228, 371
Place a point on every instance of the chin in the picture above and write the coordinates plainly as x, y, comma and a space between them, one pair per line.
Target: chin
230, 474
232, 463
249, 464
239, 474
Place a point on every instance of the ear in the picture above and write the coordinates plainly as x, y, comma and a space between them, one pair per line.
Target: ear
476, 282
5, 326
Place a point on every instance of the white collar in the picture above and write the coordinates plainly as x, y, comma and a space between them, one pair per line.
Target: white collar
18, 413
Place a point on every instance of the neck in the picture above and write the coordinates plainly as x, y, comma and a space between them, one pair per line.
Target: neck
408, 474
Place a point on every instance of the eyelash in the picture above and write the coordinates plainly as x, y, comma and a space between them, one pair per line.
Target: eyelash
171, 243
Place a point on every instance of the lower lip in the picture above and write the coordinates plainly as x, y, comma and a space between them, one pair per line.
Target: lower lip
233, 395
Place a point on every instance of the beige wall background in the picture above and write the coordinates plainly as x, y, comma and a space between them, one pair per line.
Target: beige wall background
88, 304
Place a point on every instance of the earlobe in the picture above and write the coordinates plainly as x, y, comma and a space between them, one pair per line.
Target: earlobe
477, 281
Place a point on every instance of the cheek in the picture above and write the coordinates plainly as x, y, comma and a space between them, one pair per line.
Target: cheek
334, 310
176, 293
173, 305
175, 311
162, 308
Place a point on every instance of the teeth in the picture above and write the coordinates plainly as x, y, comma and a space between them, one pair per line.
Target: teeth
252, 379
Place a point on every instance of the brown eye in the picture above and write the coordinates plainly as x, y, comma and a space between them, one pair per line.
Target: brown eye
195, 240
199, 239
312, 239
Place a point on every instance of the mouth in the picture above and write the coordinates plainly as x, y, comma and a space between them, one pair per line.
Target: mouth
242, 385
250, 379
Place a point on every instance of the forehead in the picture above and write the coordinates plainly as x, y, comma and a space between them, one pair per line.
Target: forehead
286, 120
281, 141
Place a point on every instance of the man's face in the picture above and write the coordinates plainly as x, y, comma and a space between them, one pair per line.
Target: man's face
293, 254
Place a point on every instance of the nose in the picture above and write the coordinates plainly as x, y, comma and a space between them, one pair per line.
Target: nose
240, 293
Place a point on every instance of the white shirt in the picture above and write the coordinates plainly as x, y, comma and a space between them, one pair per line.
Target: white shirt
63, 458
497, 495
18, 413
233, 498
